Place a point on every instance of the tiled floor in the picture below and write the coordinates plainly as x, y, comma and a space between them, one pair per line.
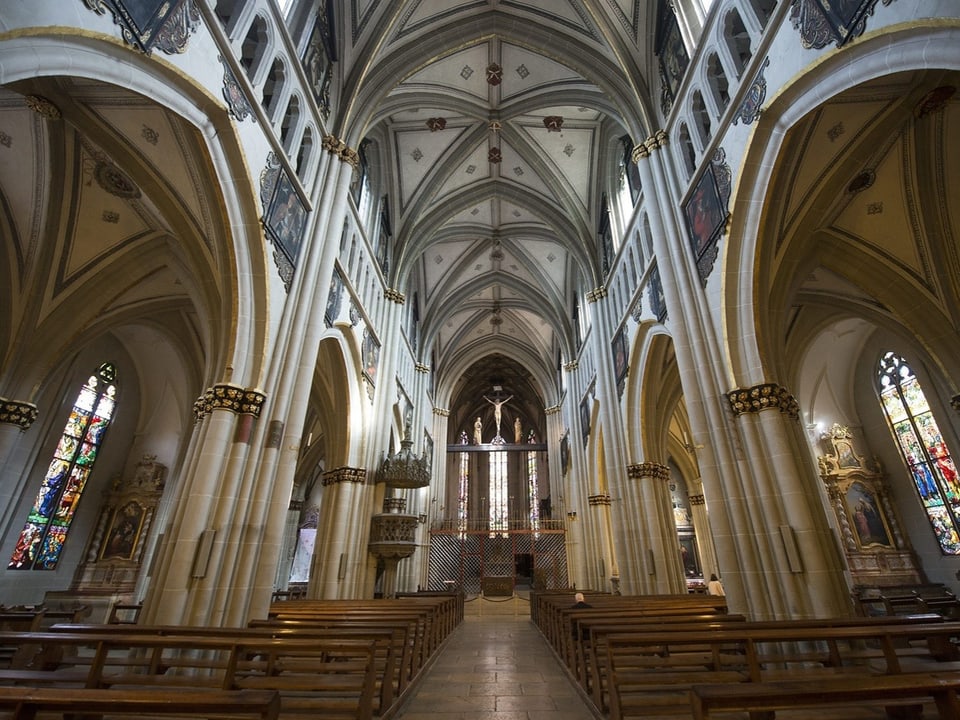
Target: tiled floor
496, 667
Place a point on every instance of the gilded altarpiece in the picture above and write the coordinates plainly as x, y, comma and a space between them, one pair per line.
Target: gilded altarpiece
876, 551
115, 553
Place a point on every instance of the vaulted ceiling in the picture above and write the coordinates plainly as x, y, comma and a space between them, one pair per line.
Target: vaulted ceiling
497, 125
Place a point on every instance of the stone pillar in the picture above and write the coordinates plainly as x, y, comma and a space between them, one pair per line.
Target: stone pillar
16, 416
798, 567
663, 566
339, 547
704, 535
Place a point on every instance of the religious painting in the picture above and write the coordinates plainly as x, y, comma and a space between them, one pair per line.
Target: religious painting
141, 20
371, 356
585, 418
867, 517
689, 556
658, 301
286, 218
704, 212
334, 298
383, 243
565, 453
620, 366
319, 55
121, 542
824, 21
672, 56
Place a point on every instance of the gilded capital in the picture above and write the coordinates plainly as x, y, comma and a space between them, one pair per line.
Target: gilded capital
766, 396
421, 368
652, 470
639, 152
344, 474
19, 413
336, 146
442, 412
697, 500
571, 366
596, 294
224, 396
600, 499
395, 295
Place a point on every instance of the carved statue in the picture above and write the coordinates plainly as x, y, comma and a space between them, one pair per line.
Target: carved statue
497, 413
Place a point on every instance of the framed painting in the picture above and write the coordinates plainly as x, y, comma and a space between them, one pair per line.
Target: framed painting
121, 542
704, 213
141, 20
585, 418
285, 219
371, 356
334, 298
620, 366
672, 54
866, 516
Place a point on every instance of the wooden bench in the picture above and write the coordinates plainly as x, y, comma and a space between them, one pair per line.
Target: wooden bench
333, 678
653, 672
763, 699
26, 702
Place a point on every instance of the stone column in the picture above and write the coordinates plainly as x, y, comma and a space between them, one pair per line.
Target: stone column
16, 417
704, 535
663, 566
339, 550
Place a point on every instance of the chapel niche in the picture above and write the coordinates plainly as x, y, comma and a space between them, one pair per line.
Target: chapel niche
877, 552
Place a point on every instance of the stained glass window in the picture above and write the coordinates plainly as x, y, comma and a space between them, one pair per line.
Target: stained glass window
532, 485
923, 448
462, 507
45, 531
498, 488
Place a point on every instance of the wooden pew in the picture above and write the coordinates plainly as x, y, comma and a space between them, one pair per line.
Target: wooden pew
388, 642
880, 690
653, 672
26, 702
317, 676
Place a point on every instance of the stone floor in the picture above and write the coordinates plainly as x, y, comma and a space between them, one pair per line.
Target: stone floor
496, 667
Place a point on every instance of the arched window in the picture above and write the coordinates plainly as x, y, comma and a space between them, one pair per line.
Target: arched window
498, 489
45, 531
686, 148
273, 87
738, 40
253, 47
464, 488
305, 152
922, 447
718, 82
533, 485
701, 118
291, 119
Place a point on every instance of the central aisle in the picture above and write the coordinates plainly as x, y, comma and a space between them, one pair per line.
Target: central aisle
496, 667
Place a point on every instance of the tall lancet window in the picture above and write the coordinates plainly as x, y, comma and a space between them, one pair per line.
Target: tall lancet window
464, 490
532, 487
923, 448
498, 488
45, 531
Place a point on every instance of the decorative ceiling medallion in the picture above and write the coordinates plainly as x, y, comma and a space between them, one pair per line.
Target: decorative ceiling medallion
42, 106
237, 104
862, 181
494, 155
494, 74
115, 181
437, 123
495, 125
935, 100
553, 123
749, 109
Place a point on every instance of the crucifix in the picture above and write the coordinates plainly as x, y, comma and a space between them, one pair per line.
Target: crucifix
497, 413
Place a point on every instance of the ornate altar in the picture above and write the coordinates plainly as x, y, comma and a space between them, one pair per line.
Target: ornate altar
114, 557
875, 547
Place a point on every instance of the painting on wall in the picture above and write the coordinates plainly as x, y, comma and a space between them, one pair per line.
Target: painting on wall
867, 516
285, 219
371, 356
121, 542
585, 418
704, 213
620, 366
141, 20
672, 56
334, 298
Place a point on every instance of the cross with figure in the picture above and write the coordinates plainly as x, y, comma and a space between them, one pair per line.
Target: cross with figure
497, 413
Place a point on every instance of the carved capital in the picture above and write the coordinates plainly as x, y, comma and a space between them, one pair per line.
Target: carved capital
395, 295
652, 470
19, 413
421, 368
596, 294
442, 412
344, 474
639, 152
571, 366
552, 410
600, 499
225, 396
763, 397
336, 146
697, 500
